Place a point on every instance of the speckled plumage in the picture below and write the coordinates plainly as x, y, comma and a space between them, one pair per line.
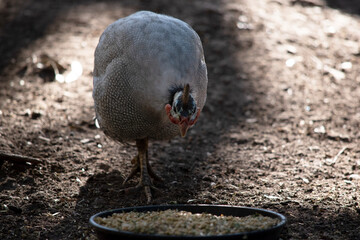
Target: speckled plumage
138, 60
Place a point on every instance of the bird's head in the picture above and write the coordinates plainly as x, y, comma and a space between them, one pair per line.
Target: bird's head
182, 109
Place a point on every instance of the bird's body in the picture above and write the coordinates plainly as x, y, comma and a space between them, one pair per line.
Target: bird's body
139, 61
143, 64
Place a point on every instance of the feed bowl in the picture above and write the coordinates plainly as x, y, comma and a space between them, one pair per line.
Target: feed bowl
271, 233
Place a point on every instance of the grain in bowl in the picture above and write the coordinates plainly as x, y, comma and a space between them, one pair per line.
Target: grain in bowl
184, 223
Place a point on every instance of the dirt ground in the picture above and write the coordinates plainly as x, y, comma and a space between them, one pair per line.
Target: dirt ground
280, 130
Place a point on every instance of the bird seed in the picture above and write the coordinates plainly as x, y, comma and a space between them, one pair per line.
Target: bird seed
182, 223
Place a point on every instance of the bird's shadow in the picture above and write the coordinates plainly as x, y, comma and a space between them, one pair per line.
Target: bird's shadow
179, 181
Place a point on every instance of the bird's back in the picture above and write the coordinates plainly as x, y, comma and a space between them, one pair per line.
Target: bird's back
137, 61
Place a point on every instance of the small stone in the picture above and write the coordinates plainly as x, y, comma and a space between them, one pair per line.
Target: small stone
354, 177
290, 62
272, 197
348, 182
346, 65
291, 49
338, 75
305, 180
251, 120
321, 129
85, 140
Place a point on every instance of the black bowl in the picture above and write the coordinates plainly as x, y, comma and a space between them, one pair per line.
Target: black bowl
272, 233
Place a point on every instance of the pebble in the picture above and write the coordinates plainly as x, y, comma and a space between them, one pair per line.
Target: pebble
354, 177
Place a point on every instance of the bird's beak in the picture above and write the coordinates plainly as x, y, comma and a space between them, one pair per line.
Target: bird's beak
184, 126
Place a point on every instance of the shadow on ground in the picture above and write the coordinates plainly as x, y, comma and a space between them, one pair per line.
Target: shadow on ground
313, 222
27, 21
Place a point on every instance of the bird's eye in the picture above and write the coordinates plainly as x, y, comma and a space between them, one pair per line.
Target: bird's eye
178, 107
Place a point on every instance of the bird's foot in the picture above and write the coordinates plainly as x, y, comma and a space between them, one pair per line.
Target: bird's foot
136, 168
140, 186
145, 183
145, 180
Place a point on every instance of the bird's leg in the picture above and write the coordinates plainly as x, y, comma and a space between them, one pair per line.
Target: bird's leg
145, 180
151, 171
142, 164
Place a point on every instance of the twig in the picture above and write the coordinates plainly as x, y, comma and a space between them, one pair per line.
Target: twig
333, 161
18, 158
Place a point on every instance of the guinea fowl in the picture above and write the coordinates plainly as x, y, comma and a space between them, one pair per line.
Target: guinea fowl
150, 82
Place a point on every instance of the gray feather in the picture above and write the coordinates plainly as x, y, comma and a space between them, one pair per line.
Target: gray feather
138, 59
